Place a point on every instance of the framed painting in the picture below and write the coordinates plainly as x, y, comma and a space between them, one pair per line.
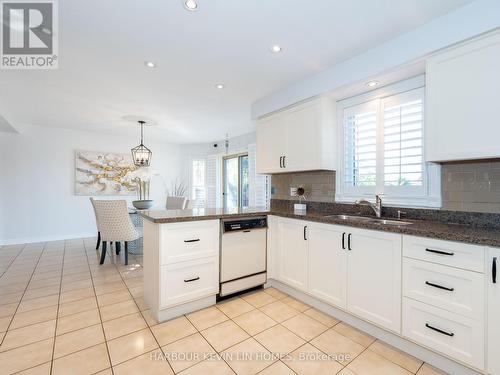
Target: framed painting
104, 173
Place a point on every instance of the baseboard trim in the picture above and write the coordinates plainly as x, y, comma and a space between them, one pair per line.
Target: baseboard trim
18, 241
443, 363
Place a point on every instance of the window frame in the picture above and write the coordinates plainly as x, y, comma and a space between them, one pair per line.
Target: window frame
428, 195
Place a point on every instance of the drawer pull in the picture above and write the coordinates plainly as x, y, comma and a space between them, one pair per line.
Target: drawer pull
195, 240
343, 241
193, 279
451, 334
494, 271
439, 286
439, 252
246, 231
349, 241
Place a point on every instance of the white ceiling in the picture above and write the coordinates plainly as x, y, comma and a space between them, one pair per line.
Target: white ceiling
103, 46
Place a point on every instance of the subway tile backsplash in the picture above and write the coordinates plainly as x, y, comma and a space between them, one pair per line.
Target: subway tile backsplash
471, 186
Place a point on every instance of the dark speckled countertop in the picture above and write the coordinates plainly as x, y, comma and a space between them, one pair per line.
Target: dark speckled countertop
488, 236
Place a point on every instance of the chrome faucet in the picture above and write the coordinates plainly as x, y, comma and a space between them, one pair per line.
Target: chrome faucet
377, 206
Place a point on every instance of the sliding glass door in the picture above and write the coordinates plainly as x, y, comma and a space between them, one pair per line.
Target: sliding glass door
235, 184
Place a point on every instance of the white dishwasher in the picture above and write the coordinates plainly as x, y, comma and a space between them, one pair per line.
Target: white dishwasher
243, 254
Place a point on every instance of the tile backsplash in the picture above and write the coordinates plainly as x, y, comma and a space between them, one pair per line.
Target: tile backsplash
471, 186
466, 186
319, 185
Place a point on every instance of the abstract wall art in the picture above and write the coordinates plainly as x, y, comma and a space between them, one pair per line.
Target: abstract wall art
104, 173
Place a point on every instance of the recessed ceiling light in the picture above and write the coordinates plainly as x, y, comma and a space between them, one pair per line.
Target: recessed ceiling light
191, 5
150, 64
220, 86
372, 83
276, 48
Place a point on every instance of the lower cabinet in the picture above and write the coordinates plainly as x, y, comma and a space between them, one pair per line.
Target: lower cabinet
293, 251
353, 269
452, 334
374, 277
187, 281
327, 264
493, 274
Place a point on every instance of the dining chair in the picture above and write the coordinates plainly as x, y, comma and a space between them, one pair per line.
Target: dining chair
115, 225
97, 224
176, 203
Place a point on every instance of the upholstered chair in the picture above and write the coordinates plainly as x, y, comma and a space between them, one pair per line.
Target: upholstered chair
97, 224
176, 203
115, 225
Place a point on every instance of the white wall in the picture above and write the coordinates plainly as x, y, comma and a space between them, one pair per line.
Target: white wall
37, 200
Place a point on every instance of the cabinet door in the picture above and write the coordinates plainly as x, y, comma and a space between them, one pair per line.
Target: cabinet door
271, 141
293, 253
462, 102
304, 134
374, 277
272, 247
493, 312
327, 263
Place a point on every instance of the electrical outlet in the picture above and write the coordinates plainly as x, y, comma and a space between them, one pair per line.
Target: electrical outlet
293, 191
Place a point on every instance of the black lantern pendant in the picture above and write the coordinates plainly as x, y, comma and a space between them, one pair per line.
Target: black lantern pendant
141, 154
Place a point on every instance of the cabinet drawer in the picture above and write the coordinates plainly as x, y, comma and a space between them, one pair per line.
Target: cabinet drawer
452, 289
184, 282
454, 335
187, 241
454, 254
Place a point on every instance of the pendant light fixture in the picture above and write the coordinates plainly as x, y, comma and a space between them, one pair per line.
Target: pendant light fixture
141, 154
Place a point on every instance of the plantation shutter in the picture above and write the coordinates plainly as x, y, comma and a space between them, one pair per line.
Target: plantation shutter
403, 139
360, 147
259, 187
211, 182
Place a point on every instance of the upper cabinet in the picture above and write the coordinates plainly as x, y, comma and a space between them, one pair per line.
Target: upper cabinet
463, 108
301, 138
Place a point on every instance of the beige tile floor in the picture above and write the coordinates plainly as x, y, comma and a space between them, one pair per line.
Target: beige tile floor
63, 313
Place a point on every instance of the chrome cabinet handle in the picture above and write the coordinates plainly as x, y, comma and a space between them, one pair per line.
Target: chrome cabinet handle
451, 334
439, 286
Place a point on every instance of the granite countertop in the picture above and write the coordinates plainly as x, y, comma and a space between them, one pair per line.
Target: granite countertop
422, 228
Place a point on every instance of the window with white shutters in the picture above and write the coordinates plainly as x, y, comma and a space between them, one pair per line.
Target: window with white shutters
360, 151
198, 177
382, 149
403, 139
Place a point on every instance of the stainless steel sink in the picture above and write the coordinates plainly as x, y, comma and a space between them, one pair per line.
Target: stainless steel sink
350, 217
373, 220
391, 222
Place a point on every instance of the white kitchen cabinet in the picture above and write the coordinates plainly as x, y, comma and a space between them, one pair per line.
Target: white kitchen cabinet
493, 357
293, 253
182, 267
452, 334
272, 247
374, 277
462, 101
271, 144
327, 263
299, 138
